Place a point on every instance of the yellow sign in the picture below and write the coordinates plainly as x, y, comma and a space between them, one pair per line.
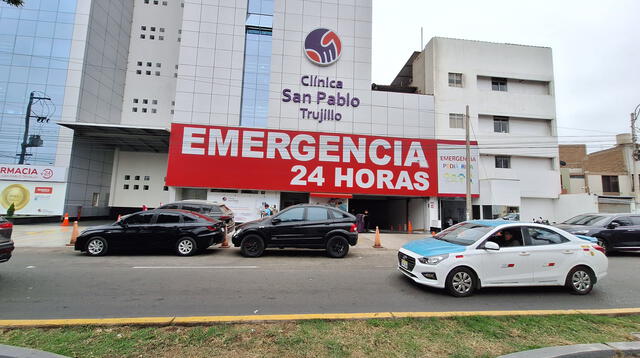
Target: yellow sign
17, 194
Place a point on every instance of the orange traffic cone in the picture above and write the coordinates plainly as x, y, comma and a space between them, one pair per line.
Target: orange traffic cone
377, 243
433, 233
410, 227
225, 243
65, 222
74, 234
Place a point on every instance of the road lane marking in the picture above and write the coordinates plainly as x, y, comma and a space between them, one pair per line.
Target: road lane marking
167, 321
195, 267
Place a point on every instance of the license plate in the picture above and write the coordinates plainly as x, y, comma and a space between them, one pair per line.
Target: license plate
404, 263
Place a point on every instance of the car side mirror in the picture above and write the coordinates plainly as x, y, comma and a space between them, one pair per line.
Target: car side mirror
613, 225
275, 221
490, 245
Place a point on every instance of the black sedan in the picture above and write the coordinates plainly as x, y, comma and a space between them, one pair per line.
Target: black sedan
6, 245
184, 232
619, 238
302, 226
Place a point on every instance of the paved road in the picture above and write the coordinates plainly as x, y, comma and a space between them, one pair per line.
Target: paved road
61, 283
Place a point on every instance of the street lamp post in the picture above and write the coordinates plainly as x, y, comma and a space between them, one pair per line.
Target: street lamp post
635, 154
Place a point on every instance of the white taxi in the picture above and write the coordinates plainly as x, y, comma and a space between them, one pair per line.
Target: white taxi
494, 253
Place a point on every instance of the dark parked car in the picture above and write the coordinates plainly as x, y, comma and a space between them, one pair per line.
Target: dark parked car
302, 226
613, 231
6, 245
183, 231
209, 208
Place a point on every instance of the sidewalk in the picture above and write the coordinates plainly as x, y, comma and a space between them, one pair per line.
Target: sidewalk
49, 234
54, 235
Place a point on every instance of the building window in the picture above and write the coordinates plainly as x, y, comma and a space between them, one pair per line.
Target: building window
138, 72
145, 187
455, 79
137, 177
147, 178
166, 188
127, 177
153, 110
610, 184
501, 124
95, 200
456, 120
134, 109
136, 187
499, 84
255, 84
135, 100
503, 162
154, 101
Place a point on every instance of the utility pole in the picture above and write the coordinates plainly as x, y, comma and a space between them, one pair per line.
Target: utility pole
634, 155
468, 163
27, 117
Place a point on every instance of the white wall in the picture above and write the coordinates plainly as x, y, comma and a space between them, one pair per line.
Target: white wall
215, 98
529, 103
418, 213
164, 52
535, 207
570, 205
153, 165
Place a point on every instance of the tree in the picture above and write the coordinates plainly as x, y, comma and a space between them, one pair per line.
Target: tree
11, 210
14, 2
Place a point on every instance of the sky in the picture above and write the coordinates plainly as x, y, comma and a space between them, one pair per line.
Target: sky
595, 44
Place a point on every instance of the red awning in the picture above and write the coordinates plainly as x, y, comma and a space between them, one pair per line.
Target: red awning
331, 195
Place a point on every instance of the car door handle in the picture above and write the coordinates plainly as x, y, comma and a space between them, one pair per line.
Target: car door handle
524, 253
568, 252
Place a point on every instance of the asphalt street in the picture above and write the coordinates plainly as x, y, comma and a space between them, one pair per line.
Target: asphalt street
58, 282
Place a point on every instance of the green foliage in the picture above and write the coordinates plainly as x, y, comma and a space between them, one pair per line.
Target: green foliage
11, 210
14, 2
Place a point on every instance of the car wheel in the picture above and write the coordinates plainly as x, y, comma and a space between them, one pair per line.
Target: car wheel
96, 246
461, 282
186, 246
252, 246
604, 244
337, 247
580, 280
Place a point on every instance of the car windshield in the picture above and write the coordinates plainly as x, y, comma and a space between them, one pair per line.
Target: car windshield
589, 220
465, 233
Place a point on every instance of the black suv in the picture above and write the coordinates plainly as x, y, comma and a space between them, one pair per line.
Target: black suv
614, 231
209, 208
6, 245
301, 226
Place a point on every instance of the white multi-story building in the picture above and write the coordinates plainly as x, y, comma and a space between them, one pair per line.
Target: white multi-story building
270, 101
509, 91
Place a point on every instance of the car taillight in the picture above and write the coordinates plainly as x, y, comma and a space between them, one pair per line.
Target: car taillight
212, 228
599, 248
7, 225
225, 218
353, 228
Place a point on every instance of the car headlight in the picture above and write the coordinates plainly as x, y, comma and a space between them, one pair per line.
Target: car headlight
580, 232
433, 260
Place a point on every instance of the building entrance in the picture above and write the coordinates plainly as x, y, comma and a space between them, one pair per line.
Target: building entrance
388, 213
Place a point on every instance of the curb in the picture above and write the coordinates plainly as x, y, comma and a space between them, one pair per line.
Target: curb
205, 320
597, 350
18, 352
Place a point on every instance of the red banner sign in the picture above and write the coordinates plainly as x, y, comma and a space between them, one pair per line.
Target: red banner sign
250, 158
